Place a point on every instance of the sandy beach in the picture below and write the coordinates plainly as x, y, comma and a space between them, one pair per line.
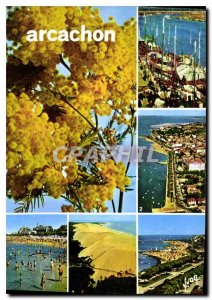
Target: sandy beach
113, 252
38, 240
157, 147
176, 250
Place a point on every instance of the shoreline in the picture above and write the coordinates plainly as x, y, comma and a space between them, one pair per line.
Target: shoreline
189, 15
150, 255
156, 146
109, 229
163, 162
169, 253
112, 252
54, 243
119, 231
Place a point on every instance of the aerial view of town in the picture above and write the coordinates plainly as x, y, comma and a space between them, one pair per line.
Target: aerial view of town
172, 57
36, 253
179, 144
171, 257
102, 255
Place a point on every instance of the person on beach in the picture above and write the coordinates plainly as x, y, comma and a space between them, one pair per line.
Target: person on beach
43, 281
16, 265
60, 271
22, 263
51, 264
20, 278
34, 264
30, 265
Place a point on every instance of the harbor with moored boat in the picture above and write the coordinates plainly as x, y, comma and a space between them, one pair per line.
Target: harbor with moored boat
172, 60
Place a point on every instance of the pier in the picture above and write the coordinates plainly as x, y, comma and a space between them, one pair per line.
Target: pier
171, 201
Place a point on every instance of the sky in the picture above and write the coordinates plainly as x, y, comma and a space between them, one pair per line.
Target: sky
120, 13
173, 112
15, 222
101, 218
51, 205
171, 224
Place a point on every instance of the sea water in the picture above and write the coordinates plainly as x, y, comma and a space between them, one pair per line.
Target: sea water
31, 278
187, 33
127, 227
155, 242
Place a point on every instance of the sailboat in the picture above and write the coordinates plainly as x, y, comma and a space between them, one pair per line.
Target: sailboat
190, 38
169, 37
156, 34
175, 45
199, 50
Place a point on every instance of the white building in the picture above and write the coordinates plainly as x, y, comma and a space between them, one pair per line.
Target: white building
196, 165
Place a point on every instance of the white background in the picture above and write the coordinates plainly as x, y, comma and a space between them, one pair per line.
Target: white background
3, 105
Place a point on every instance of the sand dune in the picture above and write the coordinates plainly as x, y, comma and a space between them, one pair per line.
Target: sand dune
112, 251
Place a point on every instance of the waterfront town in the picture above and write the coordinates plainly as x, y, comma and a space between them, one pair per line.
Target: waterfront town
40, 235
179, 260
185, 145
175, 250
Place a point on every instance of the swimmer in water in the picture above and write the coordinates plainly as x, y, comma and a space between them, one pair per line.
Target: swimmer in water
60, 271
51, 264
43, 281
20, 278
34, 264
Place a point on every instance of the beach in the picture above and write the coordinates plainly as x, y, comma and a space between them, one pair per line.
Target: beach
113, 252
49, 241
28, 259
157, 147
175, 250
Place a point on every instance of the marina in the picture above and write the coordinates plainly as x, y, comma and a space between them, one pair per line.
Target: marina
172, 60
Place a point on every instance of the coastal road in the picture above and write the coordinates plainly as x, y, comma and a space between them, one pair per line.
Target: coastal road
142, 290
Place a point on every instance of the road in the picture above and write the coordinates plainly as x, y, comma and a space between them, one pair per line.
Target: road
142, 290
